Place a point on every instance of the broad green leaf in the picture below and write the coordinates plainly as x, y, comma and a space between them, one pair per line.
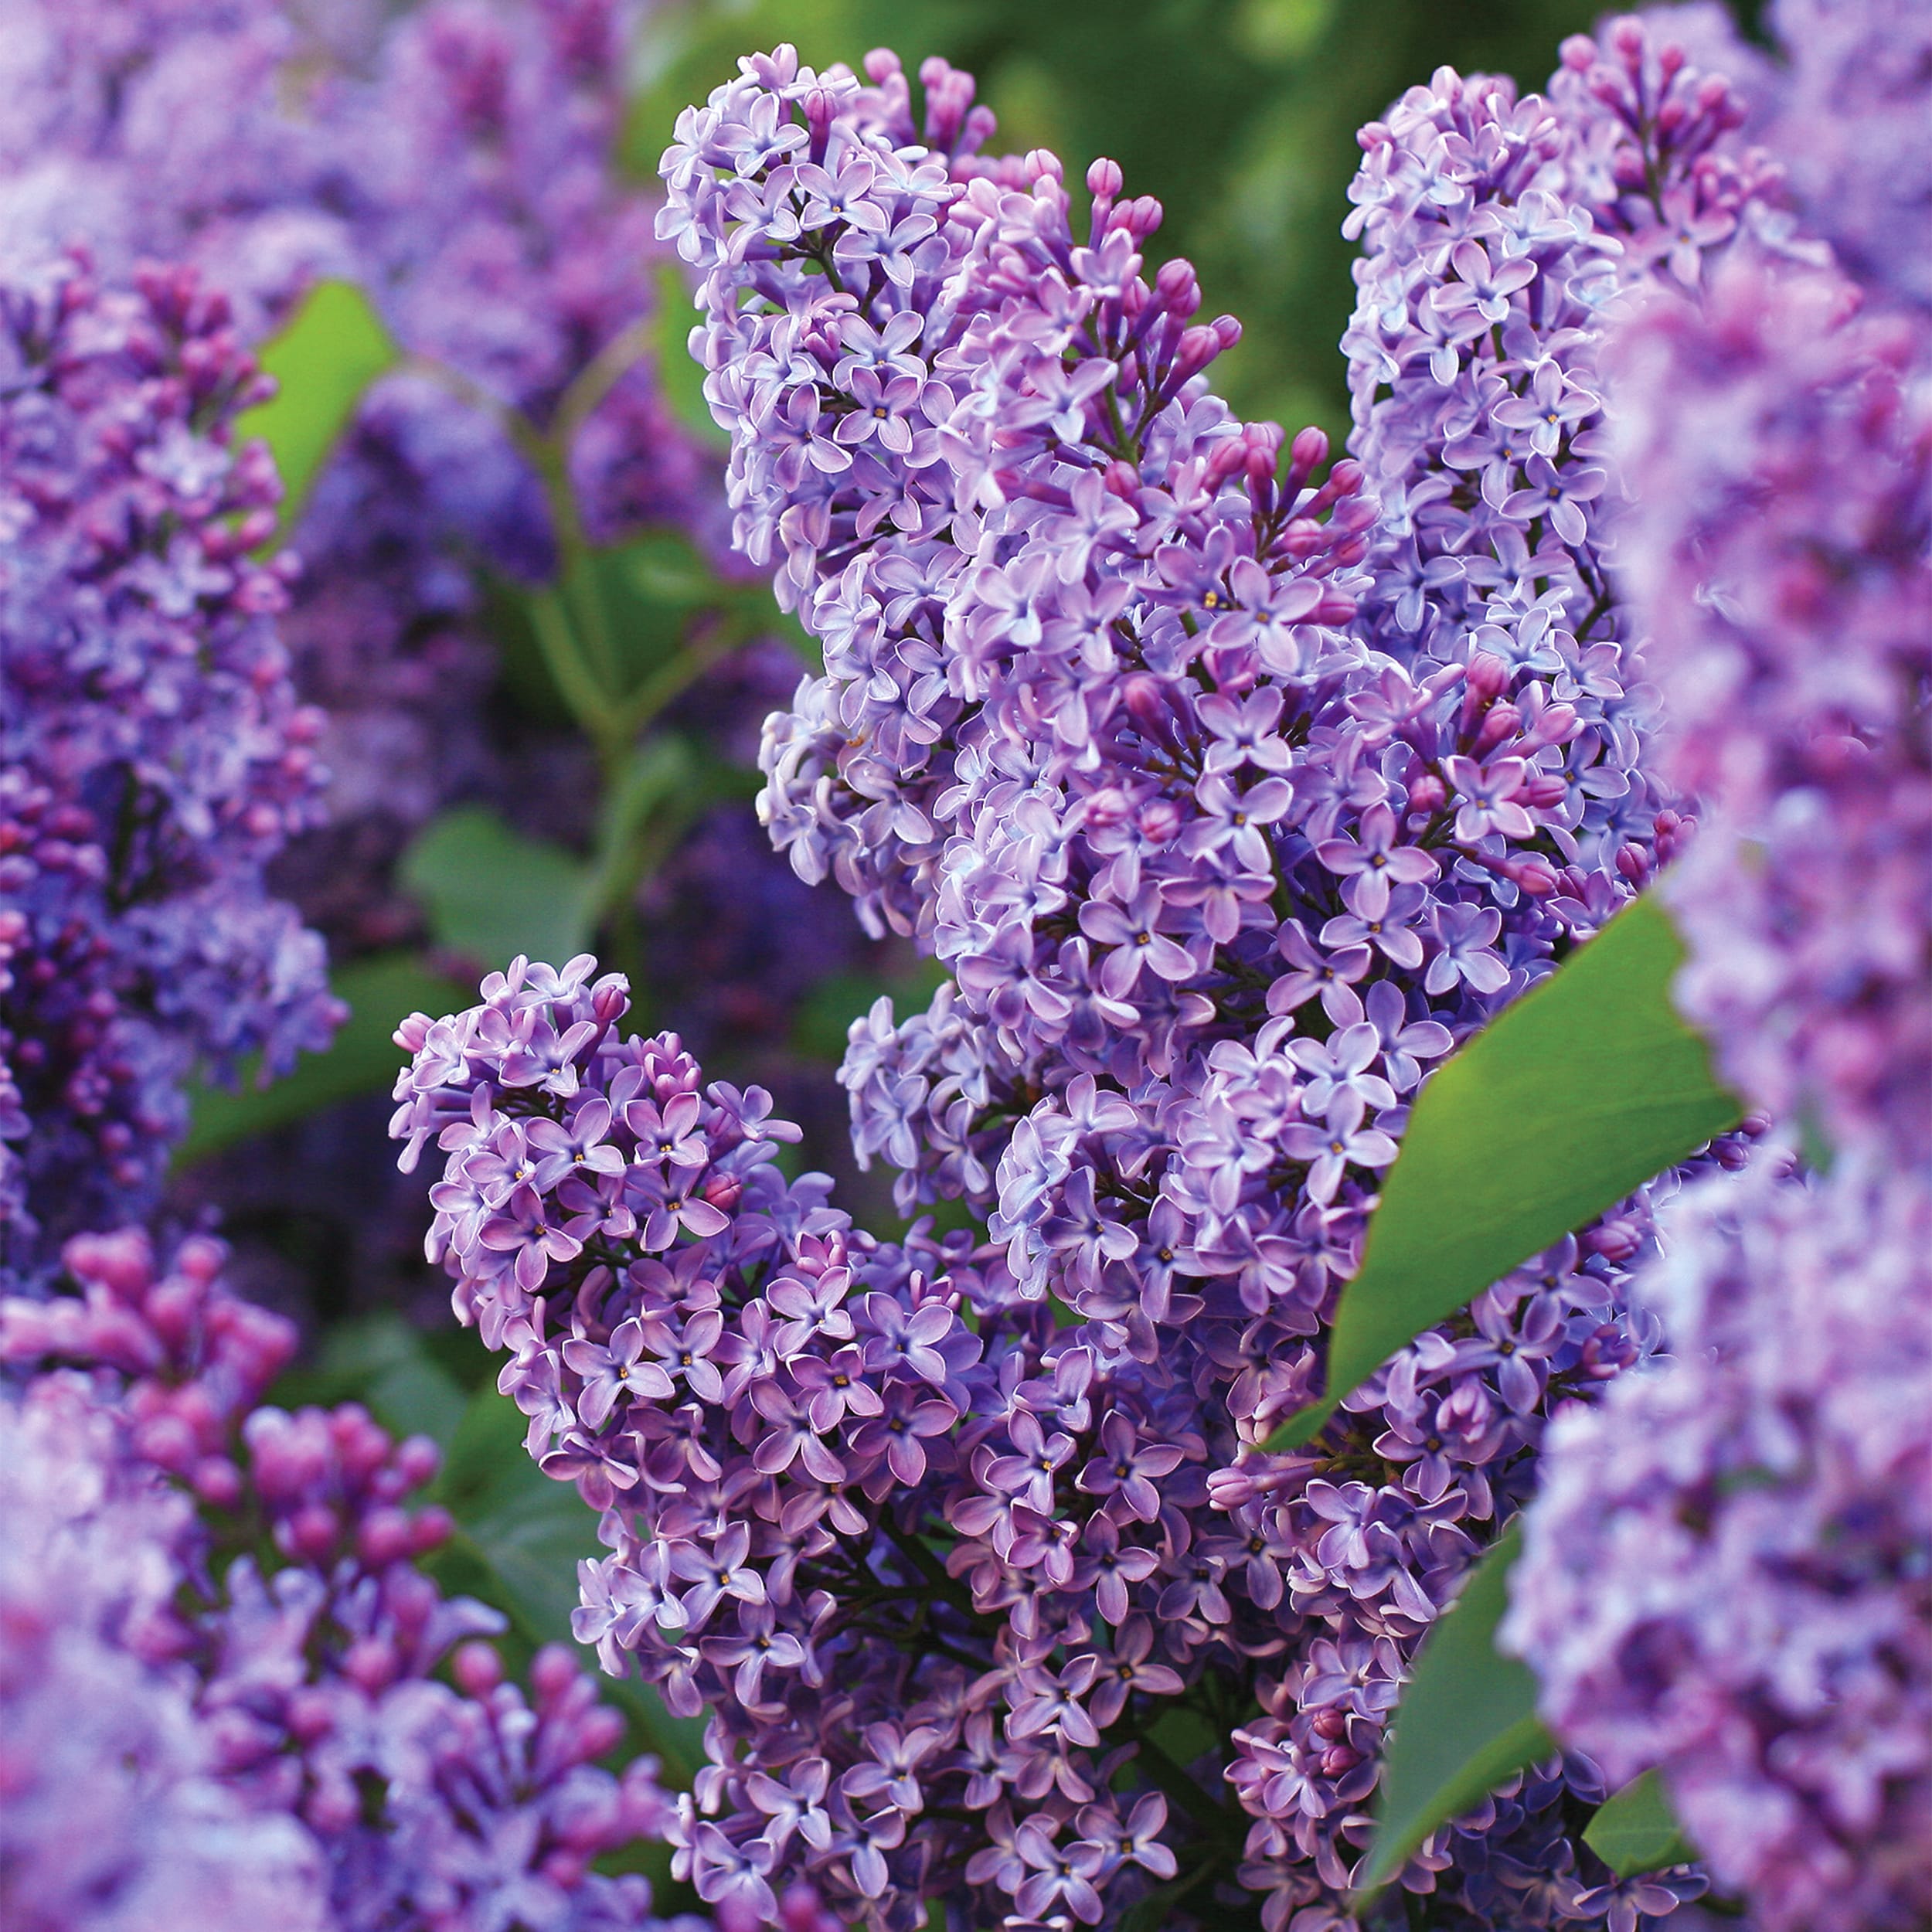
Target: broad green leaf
363, 1058
491, 894
629, 605
383, 1363
1582, 1091
1635, 1830
1467, 1722
325, 357
528, 1533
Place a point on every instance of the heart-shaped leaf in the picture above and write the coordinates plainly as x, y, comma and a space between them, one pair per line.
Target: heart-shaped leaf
324, 358
1636, 1830
491, 894
1467, 1722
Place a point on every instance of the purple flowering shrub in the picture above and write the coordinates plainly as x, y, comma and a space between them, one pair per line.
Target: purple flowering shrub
308, 1674
1727, 1574
153, 756
1232, 799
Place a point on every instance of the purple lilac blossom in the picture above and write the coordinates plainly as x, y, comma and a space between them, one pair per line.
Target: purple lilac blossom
1726, 1570
153, 757
113, 1815
936, 1564
1725, 1575
1777, 438
1233, 800
330, 1683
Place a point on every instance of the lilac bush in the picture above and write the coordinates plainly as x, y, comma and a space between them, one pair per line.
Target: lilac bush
153, 757
1232, 798
316, 1712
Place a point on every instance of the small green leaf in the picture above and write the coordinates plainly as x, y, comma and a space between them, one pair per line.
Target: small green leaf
1582, 1091
363, 1058
325, 357
1635, 1830
1467, 1722
491, 894
528, 1533
680, 379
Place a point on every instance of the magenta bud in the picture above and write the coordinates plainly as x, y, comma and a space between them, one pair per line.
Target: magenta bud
418, 1460
1310, 448
430, 1529
1105, 179
553, 1671
476, 1668
1427, 793
312, 1531
371, 1663
217, 1481
385, 1536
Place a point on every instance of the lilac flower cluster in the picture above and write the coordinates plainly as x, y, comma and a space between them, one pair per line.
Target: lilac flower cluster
300, 1650
938, 1567
112, 1815
153, 758
1233, 800
1776, 442
1727, 1571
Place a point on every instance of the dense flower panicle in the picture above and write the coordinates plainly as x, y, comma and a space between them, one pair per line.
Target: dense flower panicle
153, 757
113, 1816
309, 1683
935, 1563
1232, 798
1778, 439
1726, 1570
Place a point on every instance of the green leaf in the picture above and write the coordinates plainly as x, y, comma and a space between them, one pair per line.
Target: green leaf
1467, 1722
363, 1058
1582, 1090
383, 1363
325, 357
631, 604
1635, 1830
680, 380
491, 894
528, 1533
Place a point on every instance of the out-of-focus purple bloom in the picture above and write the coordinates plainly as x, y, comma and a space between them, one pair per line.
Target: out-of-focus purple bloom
1778, 444
153, 758
1724, 1573
114, 1814
282, 1649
